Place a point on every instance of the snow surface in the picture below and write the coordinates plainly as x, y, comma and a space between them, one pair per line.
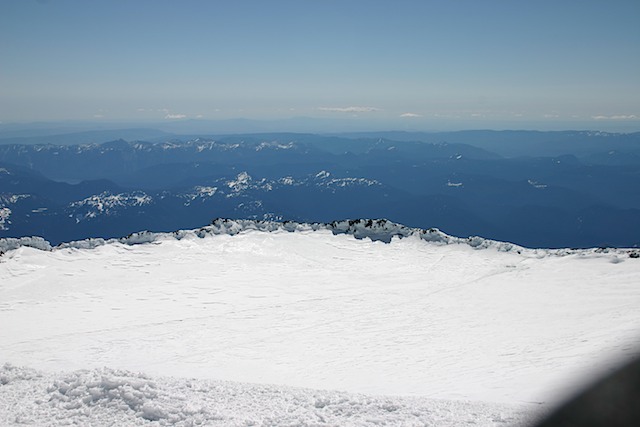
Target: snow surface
262, 316
114, 397
5, 213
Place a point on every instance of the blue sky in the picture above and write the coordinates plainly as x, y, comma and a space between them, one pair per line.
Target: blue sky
422, 64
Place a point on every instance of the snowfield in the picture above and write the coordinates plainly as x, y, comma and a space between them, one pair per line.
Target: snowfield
249, 323
110, 397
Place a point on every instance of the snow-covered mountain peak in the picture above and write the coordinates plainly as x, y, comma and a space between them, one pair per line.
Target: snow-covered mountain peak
108, 203
241, 182
326, 179
275, 145
5, 213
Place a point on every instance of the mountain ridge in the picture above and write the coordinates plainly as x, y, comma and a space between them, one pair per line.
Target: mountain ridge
585, 196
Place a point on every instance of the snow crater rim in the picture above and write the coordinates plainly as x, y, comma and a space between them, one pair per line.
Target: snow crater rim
374, 229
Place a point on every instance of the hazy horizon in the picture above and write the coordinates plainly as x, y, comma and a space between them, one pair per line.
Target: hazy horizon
312, 125
406, 65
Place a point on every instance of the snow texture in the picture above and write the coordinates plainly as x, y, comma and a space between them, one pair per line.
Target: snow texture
105, 397
374, 229
10, 243
5, 213
271, 319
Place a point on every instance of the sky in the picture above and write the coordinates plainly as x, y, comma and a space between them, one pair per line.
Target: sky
419, 64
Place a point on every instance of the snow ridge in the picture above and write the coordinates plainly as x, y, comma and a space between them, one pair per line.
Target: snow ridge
11, 243
375, 229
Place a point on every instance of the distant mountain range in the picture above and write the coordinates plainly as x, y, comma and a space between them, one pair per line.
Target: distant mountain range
540, 189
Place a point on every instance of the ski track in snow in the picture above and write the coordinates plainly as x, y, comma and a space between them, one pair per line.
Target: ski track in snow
465, 335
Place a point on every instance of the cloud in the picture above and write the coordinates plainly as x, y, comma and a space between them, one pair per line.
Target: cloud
170, 116
98, 116
349, 109
410, 115
616, 117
